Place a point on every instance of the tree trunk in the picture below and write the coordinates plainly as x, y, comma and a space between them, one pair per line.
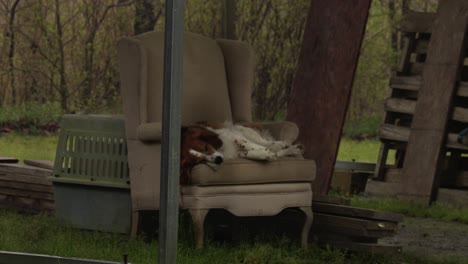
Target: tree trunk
62, 87
324, 79
11, 53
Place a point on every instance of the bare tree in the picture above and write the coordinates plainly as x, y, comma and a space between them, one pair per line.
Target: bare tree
145, 16
10, 8
94, 12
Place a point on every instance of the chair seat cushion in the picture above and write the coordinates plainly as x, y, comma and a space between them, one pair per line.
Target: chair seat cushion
243, 171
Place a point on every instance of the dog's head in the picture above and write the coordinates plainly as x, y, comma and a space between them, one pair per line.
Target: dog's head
199, 145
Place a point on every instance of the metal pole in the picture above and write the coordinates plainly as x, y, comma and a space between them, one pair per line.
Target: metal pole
170, 149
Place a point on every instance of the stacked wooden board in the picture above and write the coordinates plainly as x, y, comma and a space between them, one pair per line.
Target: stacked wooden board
341, 226
25, 188
427, 107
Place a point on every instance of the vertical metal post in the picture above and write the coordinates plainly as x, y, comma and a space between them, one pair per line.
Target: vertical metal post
170, 149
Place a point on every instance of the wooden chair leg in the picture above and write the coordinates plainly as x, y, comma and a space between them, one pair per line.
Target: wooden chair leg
198, 218
135, 223
307, 225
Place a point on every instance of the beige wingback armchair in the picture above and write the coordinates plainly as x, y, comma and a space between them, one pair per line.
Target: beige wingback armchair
217, 86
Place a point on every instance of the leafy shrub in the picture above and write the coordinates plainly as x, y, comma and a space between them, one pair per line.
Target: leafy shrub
31, 118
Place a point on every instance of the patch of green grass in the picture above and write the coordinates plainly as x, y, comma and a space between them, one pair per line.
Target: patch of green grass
362, 127
360, 150
45, 235
28, 147
445, 212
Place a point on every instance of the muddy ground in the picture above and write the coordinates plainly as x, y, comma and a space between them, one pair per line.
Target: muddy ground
434, 238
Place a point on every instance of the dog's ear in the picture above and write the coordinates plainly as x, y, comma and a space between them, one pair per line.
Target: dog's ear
212, 139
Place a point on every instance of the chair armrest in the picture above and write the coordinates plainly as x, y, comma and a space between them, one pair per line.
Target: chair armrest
149, 132
283, 130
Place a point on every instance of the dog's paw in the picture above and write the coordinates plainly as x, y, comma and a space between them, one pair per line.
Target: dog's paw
278, 145
258, 154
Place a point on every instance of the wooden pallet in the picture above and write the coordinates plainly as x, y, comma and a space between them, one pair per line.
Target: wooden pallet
26, 188
351, 228
427, 107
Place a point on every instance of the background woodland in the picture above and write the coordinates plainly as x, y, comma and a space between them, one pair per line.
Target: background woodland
59, 56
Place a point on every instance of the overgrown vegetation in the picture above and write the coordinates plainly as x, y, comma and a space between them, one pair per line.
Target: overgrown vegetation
31, 118
63, 52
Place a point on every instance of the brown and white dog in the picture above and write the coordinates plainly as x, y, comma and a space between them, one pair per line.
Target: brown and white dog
212, 143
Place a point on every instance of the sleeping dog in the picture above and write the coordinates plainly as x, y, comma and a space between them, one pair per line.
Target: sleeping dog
212, 143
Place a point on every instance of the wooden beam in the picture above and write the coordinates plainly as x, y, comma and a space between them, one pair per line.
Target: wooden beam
441, 72
417, 22
324, 78
398, 133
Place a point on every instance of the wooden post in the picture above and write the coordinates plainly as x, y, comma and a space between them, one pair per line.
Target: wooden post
425, 151
324, 78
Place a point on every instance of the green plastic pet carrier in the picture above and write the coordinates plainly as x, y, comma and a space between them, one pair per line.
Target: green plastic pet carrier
90, 176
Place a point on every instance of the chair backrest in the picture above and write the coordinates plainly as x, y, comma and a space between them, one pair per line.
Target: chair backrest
209, 78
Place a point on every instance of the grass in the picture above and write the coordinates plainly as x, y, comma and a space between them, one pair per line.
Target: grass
445, 212
28, 147
45, 235
361, 150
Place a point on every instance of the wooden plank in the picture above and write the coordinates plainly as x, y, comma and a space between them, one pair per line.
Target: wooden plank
27, 258
460, 114
8, 160
369, 248
353, 166
27, 194
414, 84
397, 105
44, 164
405, 83
417, 22
353, 226
333, 36
398, 133
393, 132
421, 170
354, 223
26, 186
409, 41
24, 169
355, 212
381, 161
330, 199
400, 105
25, 178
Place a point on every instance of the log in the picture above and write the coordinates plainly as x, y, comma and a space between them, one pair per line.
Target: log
324, 79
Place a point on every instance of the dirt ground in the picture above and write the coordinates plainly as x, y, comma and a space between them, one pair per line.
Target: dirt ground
429, 237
